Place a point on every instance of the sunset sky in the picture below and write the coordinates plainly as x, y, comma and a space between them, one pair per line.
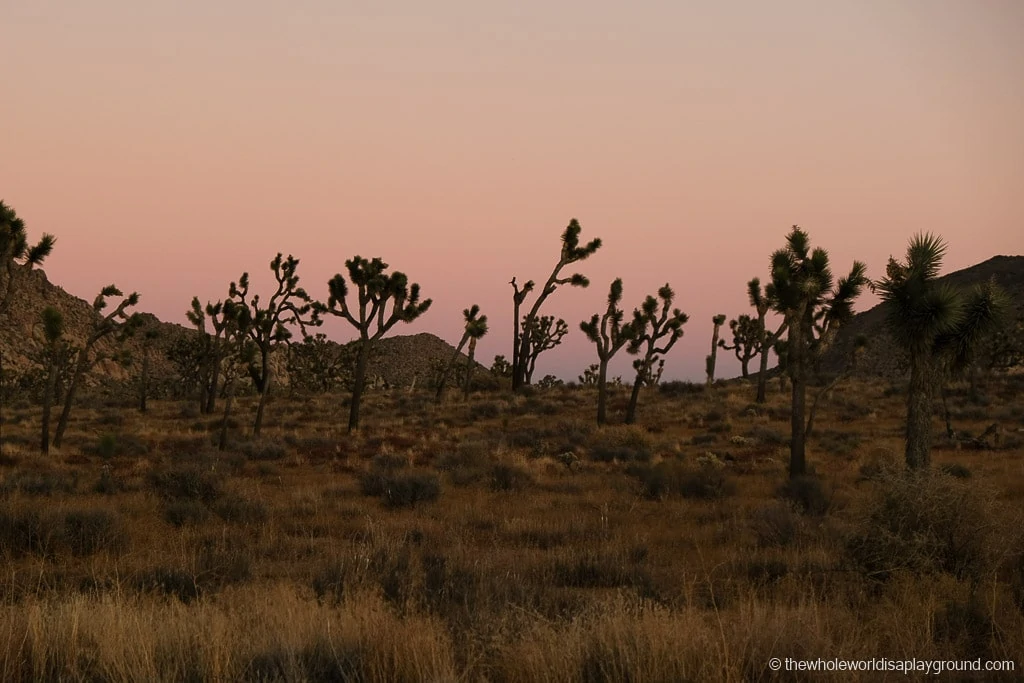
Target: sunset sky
172, 148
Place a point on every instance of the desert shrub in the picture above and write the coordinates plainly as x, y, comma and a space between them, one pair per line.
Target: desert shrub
703, 439
79, 531
467, 465
401, 489
767, 435
679, 388
616, 453
839, 443
965, 625
108, 484
599, 570
89, 531
262, 450
927, 523
240, 510
40, 483
191, 482
172, 581
674, 478
955, 469
509, 478
776, 525
764, 572
219, 564
183, 512
808, 493
484, 410
111, 445
317, 447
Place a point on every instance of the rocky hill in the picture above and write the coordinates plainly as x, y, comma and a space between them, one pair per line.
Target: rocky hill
882, 357
398, 361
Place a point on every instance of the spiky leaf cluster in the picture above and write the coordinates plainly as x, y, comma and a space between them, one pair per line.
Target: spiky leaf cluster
16, 251
376, 289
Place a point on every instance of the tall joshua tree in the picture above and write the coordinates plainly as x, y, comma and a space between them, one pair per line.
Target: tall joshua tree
609, 334
376, 291
237, 350
718, 321
746, 341
116, 323
939, 328
763, 302
653, 323
268, 325
814, 309
475, 327
53, 353
526, 347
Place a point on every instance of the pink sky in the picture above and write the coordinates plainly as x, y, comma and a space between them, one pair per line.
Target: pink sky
170, 149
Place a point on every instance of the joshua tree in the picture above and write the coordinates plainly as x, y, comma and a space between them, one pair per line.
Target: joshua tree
117, 323
53, 355
370, 318
589, 376
501, 367
939, 328
610, 335
320, 365
652, 324
746, 341
475, 327
763, 303
16, 257
476, 332
526, 349
653, 376
268, 325
237, 351
813, 311
544, 333
859, 344
718, 321
211, 350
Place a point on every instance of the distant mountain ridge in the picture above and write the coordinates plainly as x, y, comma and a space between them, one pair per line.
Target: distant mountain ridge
882, 357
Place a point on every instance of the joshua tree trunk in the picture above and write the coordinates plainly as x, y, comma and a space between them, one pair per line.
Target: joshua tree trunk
229, 388
48, 391
634, 399
211, 390
144, 380
762, 375
602, 391
264, 390
359, 381
69, 396
797, 445
744, 363
470, 366
443, 381
714, 350
919, 414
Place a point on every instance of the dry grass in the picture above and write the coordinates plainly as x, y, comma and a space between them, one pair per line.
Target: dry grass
458, 543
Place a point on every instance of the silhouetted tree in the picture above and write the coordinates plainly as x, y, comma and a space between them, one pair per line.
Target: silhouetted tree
117, 323
476, 327
237, 353
653, 323
859, 344
589, 376
500, 367
544, 333
763, 303
937, 325
609, 334
149, 337
476, 331
526, 349
709, 361
16, 257
320, 365
211, 349
376, 290
268, 325
813, 311
746, 341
